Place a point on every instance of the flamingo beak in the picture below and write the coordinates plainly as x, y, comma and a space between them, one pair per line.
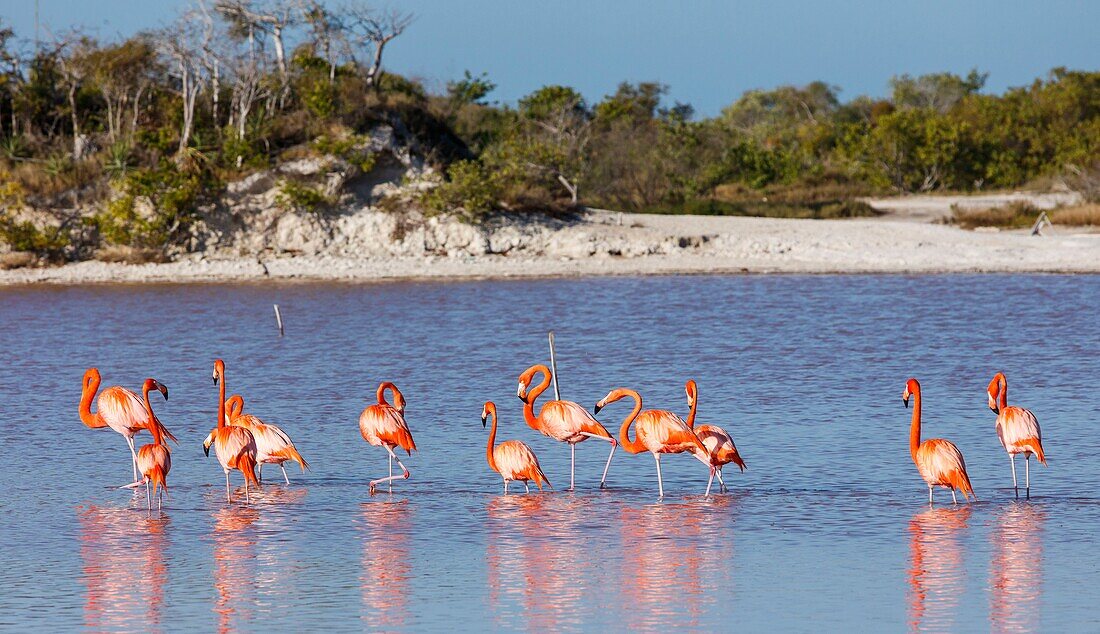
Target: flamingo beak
163, 390
905, 399
597, 408
993, 408
215, 378
519, 391
206, 450
483, 417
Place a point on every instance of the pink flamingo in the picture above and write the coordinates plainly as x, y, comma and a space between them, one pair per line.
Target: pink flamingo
564, 421
717, 441
658, 432
154, 461
234, 446
383, 425
512, 459
939, 461
273, 445
117, 408
1018, 430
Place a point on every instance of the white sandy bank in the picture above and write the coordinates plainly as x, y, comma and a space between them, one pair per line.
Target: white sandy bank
641, 244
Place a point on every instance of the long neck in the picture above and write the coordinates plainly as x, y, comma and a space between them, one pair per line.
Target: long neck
1003, 394
914, 428
633, 446
87, 395
382, 392
492, 440
221, 399
529, 402
691, 413
158, 438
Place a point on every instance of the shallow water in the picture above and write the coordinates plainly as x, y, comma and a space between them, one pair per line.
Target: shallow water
829, 527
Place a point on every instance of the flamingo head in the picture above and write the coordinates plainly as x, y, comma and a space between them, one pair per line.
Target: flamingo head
153, 384
994, 391
525, 382
911, 387
611, 397
399, 402
692, 392
206, 444
490, 409
219, 370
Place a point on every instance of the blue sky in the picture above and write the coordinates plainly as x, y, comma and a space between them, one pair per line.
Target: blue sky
707, 51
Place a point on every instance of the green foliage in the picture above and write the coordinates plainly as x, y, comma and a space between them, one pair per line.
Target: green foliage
348, 148
24, 235
169, 198
294, 196
471, 190
469, 90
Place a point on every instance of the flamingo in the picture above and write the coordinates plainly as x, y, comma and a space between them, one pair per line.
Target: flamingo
717, 441
383, 425
272, 444
512, 459
564, 421
234, 446
154, 460
939, 461
117, 408
1018, 430
658, 432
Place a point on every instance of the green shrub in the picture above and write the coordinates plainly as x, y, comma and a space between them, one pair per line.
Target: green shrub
26, 236
173, 196
346, 148
471, 192
293, 196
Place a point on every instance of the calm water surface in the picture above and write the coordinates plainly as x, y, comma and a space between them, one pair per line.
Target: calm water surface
829, 527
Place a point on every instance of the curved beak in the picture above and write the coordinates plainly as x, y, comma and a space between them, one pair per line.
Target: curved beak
206, 450
163, 390
596, 409
215, 378
520, 392
994, 409
483, 417
905, 399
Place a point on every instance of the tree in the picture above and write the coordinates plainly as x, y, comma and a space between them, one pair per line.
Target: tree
122, 73
71, 52
937, 91
184, 45
371, 30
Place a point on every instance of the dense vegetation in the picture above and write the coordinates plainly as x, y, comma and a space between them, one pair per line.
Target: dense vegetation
119, 142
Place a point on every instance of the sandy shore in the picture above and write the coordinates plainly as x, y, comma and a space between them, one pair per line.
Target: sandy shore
696, 244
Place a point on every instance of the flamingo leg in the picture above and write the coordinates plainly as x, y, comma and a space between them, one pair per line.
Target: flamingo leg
389, 483
660, 484
1027, 475
954, 499
572, 463
721, 483
148, 497
614, 444
930, 501
404, 475
709, 481
247, 499
228, 497
1012, 459
133, 455
260, 472
505, 487
285, 477
526, 486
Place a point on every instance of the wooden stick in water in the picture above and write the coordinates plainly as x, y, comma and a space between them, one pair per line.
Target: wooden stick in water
554, 368
279, 319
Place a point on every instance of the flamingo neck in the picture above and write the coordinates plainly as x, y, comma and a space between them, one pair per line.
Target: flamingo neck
235, 405
691, 413
382, 392
532, 396
87, 395
221, 399
1002, 394
914, 427
154, 428
632, 446
492, 440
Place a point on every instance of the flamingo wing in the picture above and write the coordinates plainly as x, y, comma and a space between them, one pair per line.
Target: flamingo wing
516, 461
1015, 427
383, 425
565, 420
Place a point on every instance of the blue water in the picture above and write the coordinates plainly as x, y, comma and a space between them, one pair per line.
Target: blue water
829, 527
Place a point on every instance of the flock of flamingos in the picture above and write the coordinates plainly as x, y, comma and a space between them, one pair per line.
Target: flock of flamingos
244, 443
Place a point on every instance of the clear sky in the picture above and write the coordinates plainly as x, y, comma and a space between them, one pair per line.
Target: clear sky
707, 51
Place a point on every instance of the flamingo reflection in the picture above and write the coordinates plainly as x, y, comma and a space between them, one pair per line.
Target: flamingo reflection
675, 557
234, 564
536, 557
937, 572
1016, 568
124, 568
386, 568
